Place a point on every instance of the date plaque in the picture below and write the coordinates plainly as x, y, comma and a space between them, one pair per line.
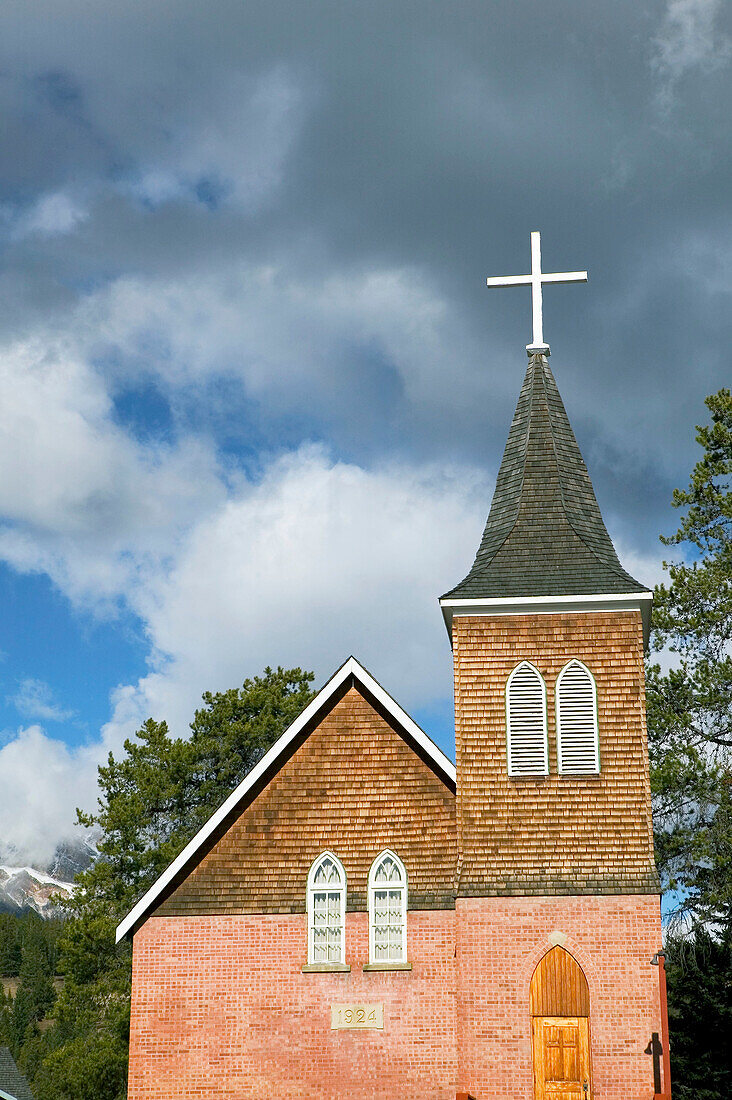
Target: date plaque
358, 1016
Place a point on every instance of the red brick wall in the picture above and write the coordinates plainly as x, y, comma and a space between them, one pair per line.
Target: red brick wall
559, 834
500, 941
221, 1008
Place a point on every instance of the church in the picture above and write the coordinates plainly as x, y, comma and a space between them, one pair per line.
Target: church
364, 919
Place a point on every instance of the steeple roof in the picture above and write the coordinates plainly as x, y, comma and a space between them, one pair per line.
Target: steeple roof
545, 535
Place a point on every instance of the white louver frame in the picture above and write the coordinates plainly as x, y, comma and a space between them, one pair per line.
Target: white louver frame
578, 747
528, 750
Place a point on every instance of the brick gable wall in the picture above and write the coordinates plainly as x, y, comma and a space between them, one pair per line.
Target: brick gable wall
222, 1010
560, 834
353, 786
499, 943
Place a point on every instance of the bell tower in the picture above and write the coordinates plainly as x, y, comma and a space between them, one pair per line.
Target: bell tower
548, 634
555, 844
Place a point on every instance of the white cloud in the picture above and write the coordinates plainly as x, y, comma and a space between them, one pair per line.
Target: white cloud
646, 568
319, 560
230, 143
34, 699
291, 337
51, 215
100, 511
42, 782
689, 39
80, 498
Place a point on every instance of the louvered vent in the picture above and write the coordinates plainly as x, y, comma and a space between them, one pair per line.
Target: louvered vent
526, 722
577, 741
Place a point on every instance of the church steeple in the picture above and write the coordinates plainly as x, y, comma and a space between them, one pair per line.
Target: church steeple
545, 543
545, 535
547, 630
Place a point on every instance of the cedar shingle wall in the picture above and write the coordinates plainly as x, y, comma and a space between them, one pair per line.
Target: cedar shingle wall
562, 834
355, 787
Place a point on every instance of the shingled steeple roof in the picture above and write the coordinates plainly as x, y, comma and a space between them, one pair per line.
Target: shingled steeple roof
545, 535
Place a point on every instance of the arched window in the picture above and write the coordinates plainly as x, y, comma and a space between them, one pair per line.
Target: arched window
387, 910
528, 752
578, 749
326, 910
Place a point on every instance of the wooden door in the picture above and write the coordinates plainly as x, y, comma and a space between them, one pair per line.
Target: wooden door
561, 1046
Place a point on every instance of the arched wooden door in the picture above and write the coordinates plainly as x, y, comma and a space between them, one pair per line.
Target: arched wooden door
560, 1029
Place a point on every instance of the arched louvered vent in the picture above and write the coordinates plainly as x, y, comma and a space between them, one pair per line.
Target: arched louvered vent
526, 722
578, 750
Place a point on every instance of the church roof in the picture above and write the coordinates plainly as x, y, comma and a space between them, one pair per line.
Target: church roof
545, 535
12, 1083
351, 673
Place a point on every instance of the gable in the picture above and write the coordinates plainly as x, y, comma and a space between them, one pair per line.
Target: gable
354, 787
353, 774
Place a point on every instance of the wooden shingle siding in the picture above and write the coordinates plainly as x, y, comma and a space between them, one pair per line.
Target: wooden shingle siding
353, 787
561, 834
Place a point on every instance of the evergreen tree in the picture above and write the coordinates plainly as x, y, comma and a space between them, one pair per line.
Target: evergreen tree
152, 801
35, 992
699, 973
6, 1019
690, 706
10, 952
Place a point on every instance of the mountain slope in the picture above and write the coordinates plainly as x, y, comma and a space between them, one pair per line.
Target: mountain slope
24, 887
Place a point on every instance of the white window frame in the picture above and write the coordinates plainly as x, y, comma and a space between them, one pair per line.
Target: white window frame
545, 734
314, 889
596, 730
373, 888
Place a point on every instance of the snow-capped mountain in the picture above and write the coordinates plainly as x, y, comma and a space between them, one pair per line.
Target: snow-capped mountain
24, 887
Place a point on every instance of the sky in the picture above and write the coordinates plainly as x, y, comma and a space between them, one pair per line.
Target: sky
254, 391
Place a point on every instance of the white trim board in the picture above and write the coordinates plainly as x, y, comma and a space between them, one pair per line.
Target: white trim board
444, 767
551, 605
6, 1096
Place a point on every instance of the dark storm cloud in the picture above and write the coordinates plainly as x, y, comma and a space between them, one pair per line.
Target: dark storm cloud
175, 141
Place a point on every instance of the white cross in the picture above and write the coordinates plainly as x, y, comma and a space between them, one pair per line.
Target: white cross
536, 278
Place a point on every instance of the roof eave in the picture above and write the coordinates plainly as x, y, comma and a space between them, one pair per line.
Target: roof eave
550, 605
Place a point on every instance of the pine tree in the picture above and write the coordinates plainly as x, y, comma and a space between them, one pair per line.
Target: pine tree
152, 801
35, 992
10, 952
700, 1015
690, 706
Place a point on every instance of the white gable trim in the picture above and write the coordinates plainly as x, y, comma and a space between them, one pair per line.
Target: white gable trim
444, 767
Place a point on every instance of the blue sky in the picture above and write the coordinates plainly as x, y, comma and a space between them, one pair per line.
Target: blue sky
254, 389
